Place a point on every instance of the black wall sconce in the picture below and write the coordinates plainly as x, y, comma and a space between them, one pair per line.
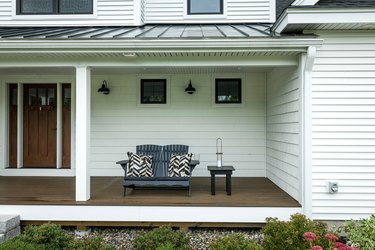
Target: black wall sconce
190, 89
104, 88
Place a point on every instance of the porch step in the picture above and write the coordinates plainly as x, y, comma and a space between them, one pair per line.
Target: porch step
9, 227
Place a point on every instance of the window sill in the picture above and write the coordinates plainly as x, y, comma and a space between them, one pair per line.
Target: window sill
54, 17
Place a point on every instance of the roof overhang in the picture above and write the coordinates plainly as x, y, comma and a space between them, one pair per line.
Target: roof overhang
297, 19
128, 47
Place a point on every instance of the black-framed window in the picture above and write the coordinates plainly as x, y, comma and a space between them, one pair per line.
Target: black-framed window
54, 7
153, 91
202, 7
228, 91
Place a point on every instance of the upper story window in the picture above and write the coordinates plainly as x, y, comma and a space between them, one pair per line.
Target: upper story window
203, 7
54, 7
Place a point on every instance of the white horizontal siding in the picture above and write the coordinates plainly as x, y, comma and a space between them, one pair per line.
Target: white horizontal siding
343, 126
249, 10
119, 124
283, 130
5, 9
106, 12
158, 11
116, 10
121, 12
164, 11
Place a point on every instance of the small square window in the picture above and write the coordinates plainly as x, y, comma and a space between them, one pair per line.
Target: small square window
228, 91
153, 91
202, 7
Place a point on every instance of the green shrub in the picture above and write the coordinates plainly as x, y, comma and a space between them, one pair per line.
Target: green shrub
161, 238
288, 235
50, 235
89, 244
17, 244
234, 242
361, 233
167, 246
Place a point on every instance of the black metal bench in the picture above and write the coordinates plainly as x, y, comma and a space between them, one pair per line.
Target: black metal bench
161, 156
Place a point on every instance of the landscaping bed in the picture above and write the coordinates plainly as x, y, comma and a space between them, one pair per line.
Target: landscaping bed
299, 233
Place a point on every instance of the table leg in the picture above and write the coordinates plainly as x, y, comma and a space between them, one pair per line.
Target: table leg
228, 184
212, 184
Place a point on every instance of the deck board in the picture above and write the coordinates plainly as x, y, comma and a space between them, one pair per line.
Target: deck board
108, 191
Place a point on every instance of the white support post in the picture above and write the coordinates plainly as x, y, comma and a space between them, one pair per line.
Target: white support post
4, 123
59, 127
307, 61
20, 126
82, 145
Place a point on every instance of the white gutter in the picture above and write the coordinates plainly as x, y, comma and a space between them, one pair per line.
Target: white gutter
178, 44
324, 16
22, 46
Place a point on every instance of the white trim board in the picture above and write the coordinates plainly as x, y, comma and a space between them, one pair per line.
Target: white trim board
149, 213
324, 16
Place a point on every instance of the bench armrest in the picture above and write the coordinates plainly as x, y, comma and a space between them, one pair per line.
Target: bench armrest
123, 164
193, 164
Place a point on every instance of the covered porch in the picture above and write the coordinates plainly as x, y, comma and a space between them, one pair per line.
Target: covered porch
264, 135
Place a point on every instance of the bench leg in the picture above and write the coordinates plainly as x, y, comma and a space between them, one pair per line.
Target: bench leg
189, 190
124, 191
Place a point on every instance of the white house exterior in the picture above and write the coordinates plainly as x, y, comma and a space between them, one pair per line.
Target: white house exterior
306, 116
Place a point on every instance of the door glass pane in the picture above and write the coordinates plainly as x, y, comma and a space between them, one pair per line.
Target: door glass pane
75, 6
51, 97
67, 98
36, 6
33, 99
42, 96
13, 96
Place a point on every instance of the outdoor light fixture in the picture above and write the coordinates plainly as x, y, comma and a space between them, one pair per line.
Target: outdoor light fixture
219, 152
104, 89
190, 89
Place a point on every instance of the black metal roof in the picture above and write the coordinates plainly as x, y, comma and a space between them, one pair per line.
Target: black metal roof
148, 31
345, 3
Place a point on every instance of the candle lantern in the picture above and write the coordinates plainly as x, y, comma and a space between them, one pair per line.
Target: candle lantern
219, 152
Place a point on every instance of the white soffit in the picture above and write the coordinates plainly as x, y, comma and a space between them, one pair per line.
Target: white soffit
298, 19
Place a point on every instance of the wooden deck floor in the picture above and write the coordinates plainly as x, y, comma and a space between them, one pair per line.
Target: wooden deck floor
108, 191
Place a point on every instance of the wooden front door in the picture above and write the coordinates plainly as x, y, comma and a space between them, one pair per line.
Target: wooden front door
40, 125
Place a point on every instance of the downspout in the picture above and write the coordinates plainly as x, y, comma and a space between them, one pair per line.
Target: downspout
307, 60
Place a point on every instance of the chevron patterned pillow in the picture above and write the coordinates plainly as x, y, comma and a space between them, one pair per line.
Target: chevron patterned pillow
179, 165
139, 165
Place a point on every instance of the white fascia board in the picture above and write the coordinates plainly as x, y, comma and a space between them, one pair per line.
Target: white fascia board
305, 2
95, 46
324, 16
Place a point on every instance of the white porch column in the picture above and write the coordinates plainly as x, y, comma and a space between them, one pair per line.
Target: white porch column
82, 143
307, 61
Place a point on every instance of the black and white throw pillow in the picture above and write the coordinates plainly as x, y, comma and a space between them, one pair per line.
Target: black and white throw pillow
179, 165
139, 165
